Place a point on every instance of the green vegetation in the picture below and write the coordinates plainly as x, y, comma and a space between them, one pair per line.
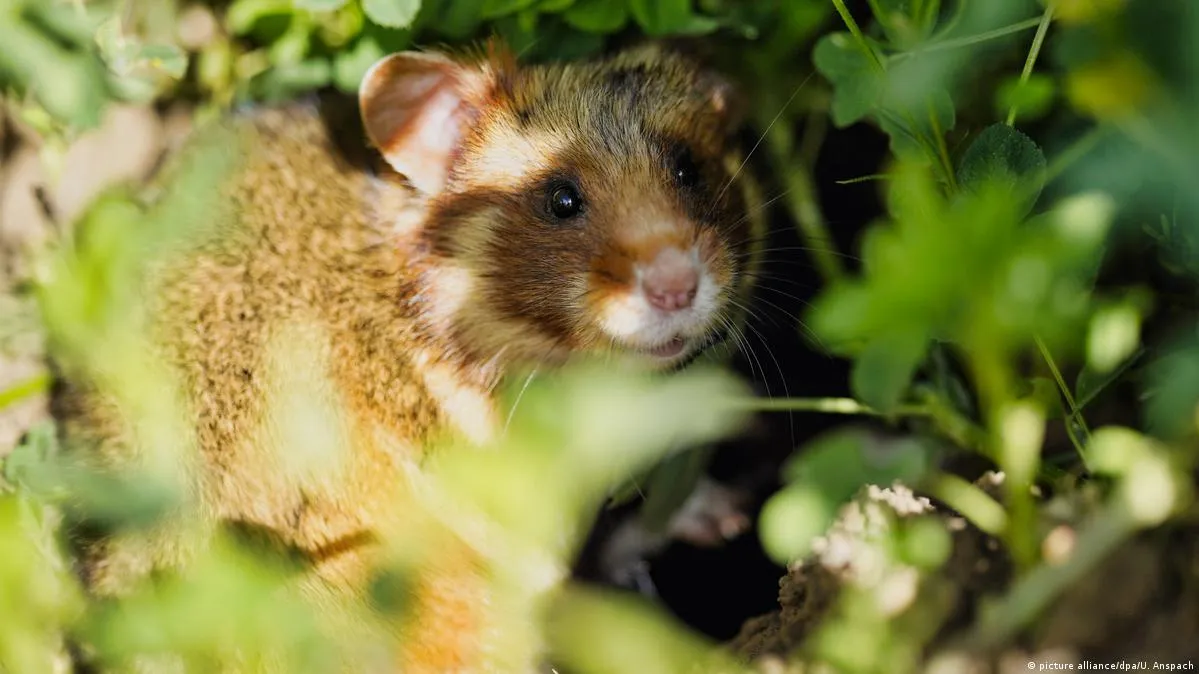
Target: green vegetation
1032, 146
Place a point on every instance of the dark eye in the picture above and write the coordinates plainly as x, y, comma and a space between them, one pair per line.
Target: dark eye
565, 201
685, 172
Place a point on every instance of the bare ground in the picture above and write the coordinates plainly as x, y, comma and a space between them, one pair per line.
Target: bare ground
1141, 604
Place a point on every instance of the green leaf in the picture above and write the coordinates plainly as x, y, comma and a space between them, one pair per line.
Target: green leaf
519, 31
337, 30
116, 49
895, 17
319, 5
883, 372
167, 59
496, 8
1031, 99
125, 502
791, 520
390, 40
828, 473
455, 19
842, 461
243, 15
697, 25
1046, 393
292, 46
1001, 153
1114, 334
585, 46
558, 41
392, 591
391, 13
857, 87
918, 137
70, 86
350, 65
947, 380
666, 17
670, 484
31, 463
597, 16
64, 21
134, 88
887, 9
925, 542
554, 6
287, 81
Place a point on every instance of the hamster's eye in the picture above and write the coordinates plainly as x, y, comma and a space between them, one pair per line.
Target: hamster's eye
565, 201
684, 171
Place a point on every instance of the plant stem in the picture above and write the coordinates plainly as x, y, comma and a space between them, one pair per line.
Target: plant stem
970, 502
1005, 446
1057, 374
857, 34
950, 423
1075, 412
947, 421
1037, 41
828, 406
969, 40
942, 148
934, 148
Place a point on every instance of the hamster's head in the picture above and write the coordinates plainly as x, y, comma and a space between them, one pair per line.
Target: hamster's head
572, 209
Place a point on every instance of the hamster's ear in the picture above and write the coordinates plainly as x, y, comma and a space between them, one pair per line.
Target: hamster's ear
723, 99
415, 108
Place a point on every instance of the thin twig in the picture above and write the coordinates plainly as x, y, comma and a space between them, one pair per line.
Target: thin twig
970, 39
858, 35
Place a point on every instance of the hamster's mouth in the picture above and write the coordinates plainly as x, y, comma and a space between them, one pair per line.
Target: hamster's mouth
672, 349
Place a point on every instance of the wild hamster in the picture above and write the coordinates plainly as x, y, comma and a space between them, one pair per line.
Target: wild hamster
513, 217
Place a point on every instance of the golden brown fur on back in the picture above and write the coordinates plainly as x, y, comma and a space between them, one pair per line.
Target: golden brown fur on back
300, 293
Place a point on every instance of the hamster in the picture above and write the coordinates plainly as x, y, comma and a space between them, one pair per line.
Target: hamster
506, 216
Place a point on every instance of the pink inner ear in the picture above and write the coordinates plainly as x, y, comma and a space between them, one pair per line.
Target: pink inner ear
414, 112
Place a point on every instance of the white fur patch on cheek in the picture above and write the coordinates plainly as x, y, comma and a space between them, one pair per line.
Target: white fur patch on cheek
469, 409
450, 287
705, 305
625, 315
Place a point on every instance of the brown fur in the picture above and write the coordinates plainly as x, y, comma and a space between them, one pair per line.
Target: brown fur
328, 277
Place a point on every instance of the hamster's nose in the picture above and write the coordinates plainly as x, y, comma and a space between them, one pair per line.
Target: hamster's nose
670, 280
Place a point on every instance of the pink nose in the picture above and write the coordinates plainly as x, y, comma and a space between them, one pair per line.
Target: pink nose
670, 280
